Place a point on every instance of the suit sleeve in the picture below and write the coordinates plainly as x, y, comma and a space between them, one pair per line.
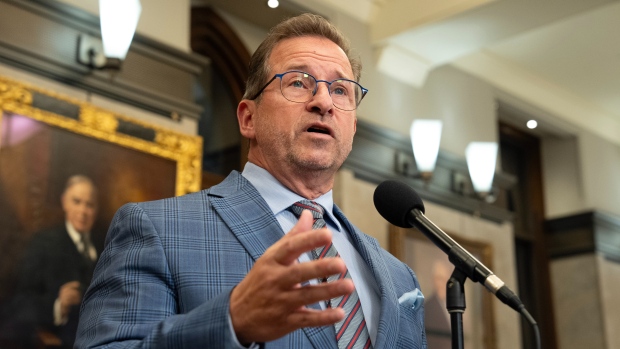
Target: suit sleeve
132, 300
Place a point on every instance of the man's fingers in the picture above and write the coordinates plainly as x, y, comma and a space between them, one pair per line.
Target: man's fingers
71, 284
289, 248
301, 317
270, 292
70, 288
306, 317
315, 269
307, 295
303, 224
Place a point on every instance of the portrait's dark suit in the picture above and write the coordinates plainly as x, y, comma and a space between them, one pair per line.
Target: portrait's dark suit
437, 323
165, 276
51, 260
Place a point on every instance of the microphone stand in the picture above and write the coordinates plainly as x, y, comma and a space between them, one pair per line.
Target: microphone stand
455, 293
455, 303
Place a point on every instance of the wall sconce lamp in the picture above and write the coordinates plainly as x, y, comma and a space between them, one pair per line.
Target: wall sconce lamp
119, 19
425, 139
481, 159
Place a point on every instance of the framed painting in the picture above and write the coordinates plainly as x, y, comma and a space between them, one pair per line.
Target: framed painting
433, 270
45, 138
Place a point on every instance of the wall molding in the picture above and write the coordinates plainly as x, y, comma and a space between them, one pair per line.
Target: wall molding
583, 233
374, 159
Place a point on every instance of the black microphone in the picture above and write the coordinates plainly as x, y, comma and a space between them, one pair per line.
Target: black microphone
400, 205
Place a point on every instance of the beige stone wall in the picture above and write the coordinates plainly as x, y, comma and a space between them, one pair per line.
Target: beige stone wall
610, 284
578, 304
354, 197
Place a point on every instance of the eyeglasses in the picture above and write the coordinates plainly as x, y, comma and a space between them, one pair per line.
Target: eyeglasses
299, 87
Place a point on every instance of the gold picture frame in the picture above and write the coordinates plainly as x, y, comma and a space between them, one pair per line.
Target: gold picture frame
46, 137
185, 150
433, 269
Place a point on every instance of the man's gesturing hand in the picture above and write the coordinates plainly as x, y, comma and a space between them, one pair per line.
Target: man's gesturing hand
269, 302
69, 294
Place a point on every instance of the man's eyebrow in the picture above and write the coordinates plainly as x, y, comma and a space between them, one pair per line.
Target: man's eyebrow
304, 68
301, 67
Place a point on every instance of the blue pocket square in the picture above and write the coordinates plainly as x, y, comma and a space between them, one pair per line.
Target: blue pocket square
413, 299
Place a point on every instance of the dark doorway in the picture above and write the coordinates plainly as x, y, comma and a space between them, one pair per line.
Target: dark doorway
521, 157
218, 90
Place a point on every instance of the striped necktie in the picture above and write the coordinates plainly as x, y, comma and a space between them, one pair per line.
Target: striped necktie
351, 332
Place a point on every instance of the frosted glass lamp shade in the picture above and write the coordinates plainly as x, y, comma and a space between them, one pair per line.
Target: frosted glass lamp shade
119, 19
481, 159
425, 139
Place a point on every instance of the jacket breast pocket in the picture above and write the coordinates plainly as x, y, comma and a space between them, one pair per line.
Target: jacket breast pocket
411, 327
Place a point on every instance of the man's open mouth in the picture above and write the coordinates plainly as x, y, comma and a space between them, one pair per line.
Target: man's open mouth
318, 130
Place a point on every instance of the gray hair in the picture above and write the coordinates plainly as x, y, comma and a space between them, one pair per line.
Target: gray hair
306, 24
78, 178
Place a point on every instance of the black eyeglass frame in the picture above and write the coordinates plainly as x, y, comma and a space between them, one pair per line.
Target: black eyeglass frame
316, 87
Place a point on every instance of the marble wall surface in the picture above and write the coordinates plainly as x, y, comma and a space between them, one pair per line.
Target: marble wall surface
585, 291
610, 284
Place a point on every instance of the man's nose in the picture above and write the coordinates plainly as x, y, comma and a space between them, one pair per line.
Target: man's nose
83, 209
322, 99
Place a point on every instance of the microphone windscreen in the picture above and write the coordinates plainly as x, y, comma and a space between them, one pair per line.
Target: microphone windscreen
394, 200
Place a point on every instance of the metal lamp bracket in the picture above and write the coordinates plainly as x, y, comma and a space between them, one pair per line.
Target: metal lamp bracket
90, 53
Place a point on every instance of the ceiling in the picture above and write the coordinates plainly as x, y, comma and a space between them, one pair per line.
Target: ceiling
558, 59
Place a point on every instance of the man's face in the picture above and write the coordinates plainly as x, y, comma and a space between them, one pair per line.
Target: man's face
308, 136
442, 271
80, 206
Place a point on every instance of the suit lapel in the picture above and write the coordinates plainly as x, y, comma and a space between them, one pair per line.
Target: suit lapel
369, 250
249, 218
246, 213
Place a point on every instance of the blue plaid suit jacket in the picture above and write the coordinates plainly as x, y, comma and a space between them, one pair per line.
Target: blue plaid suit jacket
165, 276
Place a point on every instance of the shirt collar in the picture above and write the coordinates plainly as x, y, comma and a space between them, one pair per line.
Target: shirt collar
279, 197
74, 234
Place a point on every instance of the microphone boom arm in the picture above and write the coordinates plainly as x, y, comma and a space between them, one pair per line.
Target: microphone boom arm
463, 260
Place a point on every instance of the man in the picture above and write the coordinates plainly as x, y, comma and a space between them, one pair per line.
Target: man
215, 269
437, 319
57, 268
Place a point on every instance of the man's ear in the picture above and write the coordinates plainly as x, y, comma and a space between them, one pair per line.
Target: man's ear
245, 116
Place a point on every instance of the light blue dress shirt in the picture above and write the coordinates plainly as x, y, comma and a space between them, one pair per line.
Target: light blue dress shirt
279, 198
